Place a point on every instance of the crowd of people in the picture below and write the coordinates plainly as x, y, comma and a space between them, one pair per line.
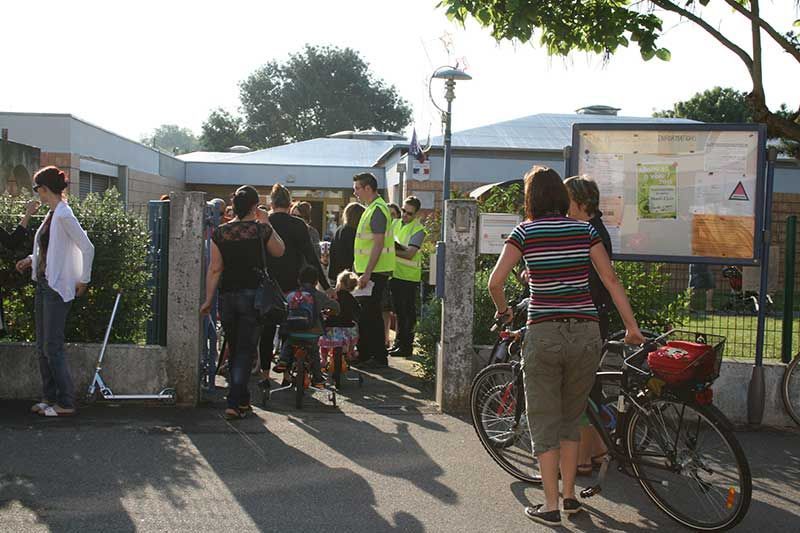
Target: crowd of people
370, 248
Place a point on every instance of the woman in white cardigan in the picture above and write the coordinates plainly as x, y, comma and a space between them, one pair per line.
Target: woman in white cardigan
61, 267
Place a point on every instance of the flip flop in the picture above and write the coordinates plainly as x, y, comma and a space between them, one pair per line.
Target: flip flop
234, 414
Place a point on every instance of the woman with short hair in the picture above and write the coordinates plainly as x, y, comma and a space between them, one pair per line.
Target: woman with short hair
303, 210
342, 251
61, 265
235, 267
562, 349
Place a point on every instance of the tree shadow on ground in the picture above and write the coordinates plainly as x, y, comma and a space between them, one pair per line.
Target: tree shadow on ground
282, 488
75, 474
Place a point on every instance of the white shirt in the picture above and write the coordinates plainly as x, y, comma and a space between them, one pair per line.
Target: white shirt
69, 253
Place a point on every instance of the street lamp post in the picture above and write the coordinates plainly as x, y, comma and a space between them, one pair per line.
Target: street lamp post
450, 75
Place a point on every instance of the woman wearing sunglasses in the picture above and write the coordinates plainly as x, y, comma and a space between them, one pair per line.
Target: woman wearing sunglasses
61, 266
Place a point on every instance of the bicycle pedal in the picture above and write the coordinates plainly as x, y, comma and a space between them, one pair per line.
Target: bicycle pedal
591, 491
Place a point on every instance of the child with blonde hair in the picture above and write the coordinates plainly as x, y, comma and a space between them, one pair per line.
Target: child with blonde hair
341, 330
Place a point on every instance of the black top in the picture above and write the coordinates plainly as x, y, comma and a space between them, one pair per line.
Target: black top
241, 253
299, 251
342, 251
349, 310
600, 296
14, 239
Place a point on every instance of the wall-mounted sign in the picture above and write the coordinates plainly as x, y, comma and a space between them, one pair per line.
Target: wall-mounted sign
493, 230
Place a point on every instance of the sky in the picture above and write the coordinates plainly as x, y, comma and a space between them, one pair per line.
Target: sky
131, 66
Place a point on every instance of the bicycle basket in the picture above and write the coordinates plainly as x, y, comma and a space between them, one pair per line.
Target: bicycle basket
687, 356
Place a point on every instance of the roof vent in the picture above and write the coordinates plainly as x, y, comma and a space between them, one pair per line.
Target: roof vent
368, 135
239, 149
598, 110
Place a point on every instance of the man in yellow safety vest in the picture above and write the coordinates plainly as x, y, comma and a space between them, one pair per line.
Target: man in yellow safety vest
409, 234
374, 262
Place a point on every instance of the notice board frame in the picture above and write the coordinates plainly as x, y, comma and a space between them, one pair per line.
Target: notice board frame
572, 165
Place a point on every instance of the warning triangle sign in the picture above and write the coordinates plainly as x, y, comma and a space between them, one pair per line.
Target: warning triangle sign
739, 193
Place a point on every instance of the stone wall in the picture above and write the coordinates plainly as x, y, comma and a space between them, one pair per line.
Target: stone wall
128, 369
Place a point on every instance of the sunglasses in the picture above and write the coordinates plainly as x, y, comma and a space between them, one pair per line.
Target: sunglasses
36, 188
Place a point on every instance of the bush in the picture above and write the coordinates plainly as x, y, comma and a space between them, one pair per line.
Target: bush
121, 242
655, 306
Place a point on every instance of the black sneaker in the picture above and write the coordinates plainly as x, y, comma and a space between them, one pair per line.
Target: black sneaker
571, 506
549, 518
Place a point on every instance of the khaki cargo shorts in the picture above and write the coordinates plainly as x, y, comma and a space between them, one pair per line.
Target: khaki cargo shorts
560, 360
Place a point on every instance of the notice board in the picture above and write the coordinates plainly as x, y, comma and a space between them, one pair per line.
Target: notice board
677, 192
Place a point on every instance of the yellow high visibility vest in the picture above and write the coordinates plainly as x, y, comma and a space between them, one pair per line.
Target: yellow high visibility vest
407, 269
364, 240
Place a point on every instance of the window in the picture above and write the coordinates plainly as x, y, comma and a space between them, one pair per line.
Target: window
96, 183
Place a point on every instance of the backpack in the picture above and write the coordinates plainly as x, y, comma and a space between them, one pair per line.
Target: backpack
302, 310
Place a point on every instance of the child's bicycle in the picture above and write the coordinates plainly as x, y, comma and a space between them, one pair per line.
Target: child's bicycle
297, 377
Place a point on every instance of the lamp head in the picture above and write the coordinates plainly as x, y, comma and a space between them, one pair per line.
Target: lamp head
450, 73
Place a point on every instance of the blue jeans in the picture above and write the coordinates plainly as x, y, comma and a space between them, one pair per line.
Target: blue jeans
50, 315
239, 319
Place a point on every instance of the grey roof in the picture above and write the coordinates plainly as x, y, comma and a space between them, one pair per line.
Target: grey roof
546, 131
207, 157
315, 152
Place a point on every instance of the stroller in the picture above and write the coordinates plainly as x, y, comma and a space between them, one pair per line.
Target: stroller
739, 300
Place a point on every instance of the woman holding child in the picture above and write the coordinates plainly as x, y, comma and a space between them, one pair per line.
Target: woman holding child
236, 262
563, 344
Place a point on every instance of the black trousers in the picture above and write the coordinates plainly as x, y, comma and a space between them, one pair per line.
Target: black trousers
371, 344
404, 300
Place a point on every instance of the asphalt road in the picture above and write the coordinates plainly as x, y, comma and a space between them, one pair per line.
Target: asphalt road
383, 461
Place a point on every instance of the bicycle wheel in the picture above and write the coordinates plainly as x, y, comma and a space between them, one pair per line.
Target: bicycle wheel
337, 368
690, 464
500, 421
299, 384
791, 389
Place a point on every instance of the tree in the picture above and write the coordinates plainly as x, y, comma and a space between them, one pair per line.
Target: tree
221, 130
316, 92
602, 26
725, 105
714, 105
172, 138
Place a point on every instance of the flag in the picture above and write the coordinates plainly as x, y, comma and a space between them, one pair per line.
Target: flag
415, 150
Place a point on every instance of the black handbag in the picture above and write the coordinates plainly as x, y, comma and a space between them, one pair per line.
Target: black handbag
270, 303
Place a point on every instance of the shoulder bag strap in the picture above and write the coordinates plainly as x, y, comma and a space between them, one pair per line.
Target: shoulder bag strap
261, 245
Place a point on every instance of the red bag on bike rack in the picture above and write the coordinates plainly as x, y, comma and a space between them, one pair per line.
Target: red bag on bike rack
682, 361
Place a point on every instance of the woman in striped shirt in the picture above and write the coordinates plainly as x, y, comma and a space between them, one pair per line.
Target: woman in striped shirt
563, 347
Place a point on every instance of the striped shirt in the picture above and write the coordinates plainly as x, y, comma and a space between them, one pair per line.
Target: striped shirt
556, 253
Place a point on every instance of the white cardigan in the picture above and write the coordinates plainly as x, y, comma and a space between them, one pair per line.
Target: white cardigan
69, 254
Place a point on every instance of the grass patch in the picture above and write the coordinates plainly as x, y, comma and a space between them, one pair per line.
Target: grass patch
740, 331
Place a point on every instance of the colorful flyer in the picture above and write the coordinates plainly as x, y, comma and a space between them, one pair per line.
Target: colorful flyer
656, 186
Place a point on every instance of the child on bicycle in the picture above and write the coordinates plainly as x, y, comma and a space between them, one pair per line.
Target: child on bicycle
304, 323
341, 330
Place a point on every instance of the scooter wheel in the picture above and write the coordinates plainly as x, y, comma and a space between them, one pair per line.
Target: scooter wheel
90, 399
170, 396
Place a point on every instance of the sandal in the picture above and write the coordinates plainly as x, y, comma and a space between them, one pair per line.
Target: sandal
234, 414
57, 411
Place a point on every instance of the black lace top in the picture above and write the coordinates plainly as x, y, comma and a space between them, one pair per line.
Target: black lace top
241, 253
